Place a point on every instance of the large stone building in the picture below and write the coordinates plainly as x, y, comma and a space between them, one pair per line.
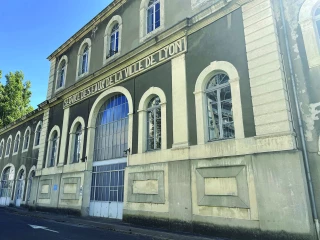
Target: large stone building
198, 115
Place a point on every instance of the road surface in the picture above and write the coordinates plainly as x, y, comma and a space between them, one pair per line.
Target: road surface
18, 227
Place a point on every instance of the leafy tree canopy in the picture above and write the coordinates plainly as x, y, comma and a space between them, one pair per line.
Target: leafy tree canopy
15, 97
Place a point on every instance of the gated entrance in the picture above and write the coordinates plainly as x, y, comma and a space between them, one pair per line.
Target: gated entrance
20, 188
111, 140
6, 186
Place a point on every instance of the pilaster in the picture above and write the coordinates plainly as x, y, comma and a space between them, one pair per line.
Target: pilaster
267, 79
51, 78
43, 138
64, 135
179, 103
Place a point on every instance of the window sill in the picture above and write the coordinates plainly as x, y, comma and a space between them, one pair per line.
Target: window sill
25, 150
6, 156
59, 89
151, 34
79, 77
36, 147
110, 59
15, 153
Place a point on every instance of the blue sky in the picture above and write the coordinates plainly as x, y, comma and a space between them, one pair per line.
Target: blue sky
30, 30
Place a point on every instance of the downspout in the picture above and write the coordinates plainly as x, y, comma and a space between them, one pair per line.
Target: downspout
303, 140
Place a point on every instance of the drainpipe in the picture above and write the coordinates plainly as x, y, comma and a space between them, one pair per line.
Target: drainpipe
303, 140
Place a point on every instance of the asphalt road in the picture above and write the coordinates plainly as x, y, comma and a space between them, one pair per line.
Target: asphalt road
17, 227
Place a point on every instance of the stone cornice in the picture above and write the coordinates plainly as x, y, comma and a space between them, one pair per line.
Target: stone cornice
113, 6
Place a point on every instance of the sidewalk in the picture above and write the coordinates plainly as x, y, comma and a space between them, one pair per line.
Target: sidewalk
110, 224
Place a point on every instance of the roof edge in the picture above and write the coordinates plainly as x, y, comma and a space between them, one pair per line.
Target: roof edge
86, 28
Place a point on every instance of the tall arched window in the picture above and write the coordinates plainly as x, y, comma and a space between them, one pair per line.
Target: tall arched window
111, 137
219, 108
37, 134
153, 15
26, 139
53, 149
16, 143
84, 61
154, 124
61, 74
77, 144
8, 147
114, 40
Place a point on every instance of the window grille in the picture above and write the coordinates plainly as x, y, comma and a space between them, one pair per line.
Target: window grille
111, 135
219, 108
153, 15
154, 124
108, 183
77, 144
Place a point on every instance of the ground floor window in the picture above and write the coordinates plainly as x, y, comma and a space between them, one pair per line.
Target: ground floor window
108, 183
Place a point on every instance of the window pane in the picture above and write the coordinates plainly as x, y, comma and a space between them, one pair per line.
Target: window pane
213, 117
111, 128
150, 20
157, 15
226, 111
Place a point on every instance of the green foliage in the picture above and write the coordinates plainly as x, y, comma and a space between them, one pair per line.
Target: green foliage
14, 98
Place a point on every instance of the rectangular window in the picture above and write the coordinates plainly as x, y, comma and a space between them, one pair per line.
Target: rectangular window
108, 183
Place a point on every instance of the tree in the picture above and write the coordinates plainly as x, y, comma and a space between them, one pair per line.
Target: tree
14, 98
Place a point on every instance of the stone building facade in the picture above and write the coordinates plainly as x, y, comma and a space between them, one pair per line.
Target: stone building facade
191, 115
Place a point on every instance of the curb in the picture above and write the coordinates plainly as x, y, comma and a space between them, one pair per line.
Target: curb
152, 233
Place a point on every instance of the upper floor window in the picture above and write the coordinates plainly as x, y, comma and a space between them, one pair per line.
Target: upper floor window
8, 147
37, 134
84, 58
151, 18
219, 108
114, 40
153, 15
84, 63
309, 20
53, 151
16, 143
26, 139
154, 124
61, 72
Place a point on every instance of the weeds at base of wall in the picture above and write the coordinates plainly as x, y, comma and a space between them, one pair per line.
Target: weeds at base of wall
215, 230
61, 211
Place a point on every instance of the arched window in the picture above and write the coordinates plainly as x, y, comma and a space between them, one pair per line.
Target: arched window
37, 134
77, 144
26, 139
8, 147
53, 149
111, 137
154, 124
114, 40
153, 15
84, 60
219, 108
1, 148
6, 184
16, 143
61, 74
